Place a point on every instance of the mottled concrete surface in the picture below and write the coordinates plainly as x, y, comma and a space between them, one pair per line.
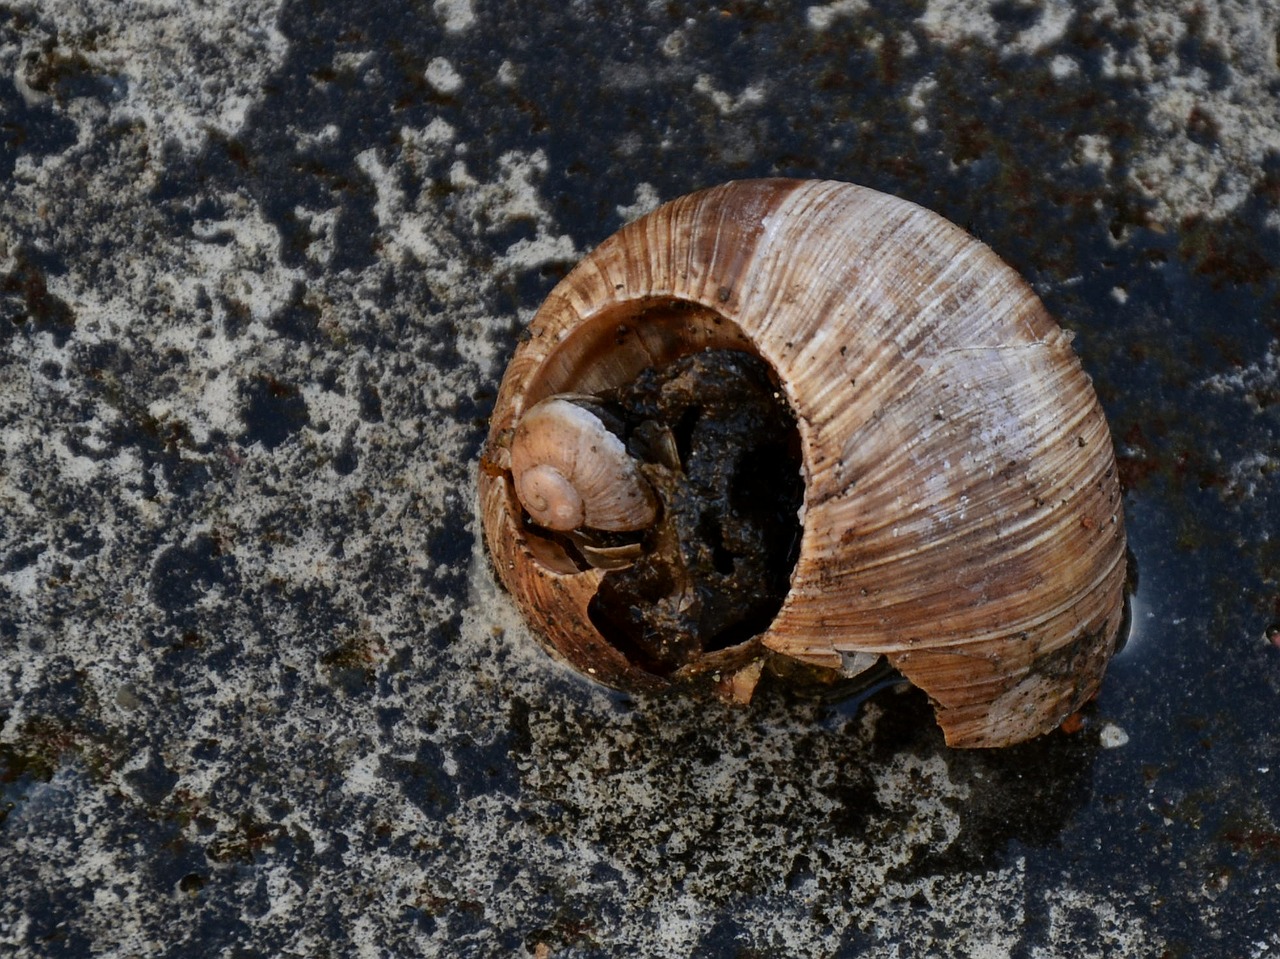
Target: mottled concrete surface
261, 265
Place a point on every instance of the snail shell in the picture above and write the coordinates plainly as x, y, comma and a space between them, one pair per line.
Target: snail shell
570, 471
961, 513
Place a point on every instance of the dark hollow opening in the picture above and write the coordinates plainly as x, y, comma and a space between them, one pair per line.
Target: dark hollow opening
719, 445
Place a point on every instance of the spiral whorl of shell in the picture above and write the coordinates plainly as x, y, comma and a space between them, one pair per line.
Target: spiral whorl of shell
570, 471
962, 512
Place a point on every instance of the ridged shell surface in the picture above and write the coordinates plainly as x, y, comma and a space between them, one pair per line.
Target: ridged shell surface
962, 513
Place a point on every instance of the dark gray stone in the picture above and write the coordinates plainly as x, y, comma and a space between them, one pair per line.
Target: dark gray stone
261, 266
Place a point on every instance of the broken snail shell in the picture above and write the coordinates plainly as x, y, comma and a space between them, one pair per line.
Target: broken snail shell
907, 405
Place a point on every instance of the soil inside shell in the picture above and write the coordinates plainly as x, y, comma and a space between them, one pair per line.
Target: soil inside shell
719, 444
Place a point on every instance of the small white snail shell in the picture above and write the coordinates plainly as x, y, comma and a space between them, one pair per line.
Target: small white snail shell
570, 471
962, 513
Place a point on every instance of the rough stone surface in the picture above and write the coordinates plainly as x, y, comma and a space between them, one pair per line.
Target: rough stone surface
261, 265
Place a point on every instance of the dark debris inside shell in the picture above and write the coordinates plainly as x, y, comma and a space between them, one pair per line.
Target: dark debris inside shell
720, 447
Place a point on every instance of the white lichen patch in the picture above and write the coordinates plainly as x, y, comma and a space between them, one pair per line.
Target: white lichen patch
919, 101
170, 77
674, 44
962, 917
1250, 382
202, 309
414, 224
1094, 149
957, 21
1063, 66
442, 75
1203, 152
1208, 143
456, 15
1254, 472
729, 104
1051, 26
822, 16
646, 201
513, 198
530, 254
1112, 736
1091, 923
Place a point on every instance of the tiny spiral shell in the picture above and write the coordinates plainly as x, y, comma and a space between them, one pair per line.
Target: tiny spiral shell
570, 472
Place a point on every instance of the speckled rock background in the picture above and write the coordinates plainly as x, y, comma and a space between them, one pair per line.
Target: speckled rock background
261, 265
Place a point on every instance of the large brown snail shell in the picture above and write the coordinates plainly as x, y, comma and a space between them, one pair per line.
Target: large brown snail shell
962, 513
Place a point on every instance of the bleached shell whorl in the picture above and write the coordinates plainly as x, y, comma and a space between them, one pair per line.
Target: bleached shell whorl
962, 513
